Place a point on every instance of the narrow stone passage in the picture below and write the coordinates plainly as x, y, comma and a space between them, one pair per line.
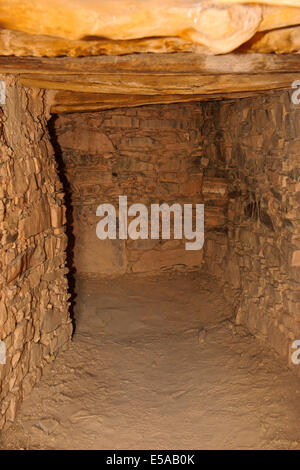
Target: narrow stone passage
157, 363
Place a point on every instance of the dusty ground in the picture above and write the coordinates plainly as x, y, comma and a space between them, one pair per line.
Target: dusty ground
159, 365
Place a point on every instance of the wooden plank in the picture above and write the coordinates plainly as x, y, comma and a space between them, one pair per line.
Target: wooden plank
188, 63
159, 84
72, 102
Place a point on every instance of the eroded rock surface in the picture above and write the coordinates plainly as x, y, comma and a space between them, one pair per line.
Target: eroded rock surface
216, 26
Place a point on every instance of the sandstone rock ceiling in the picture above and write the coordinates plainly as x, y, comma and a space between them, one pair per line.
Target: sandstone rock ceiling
75, 28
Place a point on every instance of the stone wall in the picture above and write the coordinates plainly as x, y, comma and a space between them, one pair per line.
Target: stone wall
240, 157
34, 319
151, 154
255, 144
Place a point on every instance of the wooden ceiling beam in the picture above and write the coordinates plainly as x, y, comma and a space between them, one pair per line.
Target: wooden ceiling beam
159, 84
105, 82
188, 63
73, 102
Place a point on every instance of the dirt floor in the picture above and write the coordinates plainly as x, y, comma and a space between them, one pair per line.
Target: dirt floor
159, 364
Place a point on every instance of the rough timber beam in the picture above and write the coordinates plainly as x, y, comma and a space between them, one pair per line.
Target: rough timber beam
73, 102
159, 84
188, 63
104, 82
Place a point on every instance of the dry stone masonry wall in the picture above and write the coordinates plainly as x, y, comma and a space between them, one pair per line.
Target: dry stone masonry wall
239, 157
151, 154
34, 319
255, 144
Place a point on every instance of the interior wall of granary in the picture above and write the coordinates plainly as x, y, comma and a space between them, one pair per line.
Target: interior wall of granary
152, 155
255, 143
240, 158
34, 318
